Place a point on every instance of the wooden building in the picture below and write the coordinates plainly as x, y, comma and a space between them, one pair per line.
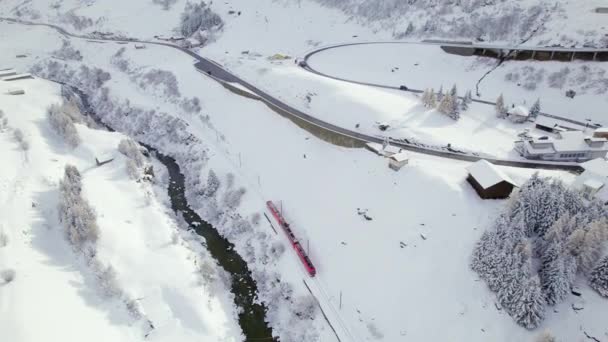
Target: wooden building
398, 160
489, 181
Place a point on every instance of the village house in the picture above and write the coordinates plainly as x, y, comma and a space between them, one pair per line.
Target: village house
489, 181
592, 182
519, 114
601, 132
398, 160
568, 146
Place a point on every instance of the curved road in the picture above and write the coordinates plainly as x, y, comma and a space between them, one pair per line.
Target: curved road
222, 75
306, 66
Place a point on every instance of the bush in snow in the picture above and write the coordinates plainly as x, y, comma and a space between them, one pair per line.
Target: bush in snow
255, 219
63, 125
191, 105
163, 80
3, 239
598, 279
166, 4
501, 109
106, 278
78, 22
198, 17
305, 307
67, 52
213, 184
21, 140
75, 213
558, 79
546, 336
535, 110
3, 121
8, 275
120, 61
548, 225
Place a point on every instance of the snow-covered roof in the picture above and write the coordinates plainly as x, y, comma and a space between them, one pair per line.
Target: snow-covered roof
602, 130
594, 184
520, 111
375, 147
546, 121
598, 166
390, 150
400, 157
568, 141
487, 174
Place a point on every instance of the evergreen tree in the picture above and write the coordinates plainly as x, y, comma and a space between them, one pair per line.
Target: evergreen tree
454, 91
598, 279
445, 105
593, 246
554, 279
466, 100
455, 108
426, 97
535, 110
501, 109
440, 94
530, 309
432, 99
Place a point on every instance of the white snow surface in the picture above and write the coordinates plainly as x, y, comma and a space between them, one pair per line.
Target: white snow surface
54, 296
401, 275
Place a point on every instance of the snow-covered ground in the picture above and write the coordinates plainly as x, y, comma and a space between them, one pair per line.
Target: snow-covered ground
394, 284
55, 295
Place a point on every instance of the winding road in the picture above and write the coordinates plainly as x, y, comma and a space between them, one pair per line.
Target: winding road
224, 76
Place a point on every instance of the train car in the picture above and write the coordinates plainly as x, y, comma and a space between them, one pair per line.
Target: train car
310, 268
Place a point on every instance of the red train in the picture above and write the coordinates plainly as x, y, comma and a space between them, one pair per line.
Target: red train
310, 268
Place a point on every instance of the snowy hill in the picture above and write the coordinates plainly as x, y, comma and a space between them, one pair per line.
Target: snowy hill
563, 22
153, 288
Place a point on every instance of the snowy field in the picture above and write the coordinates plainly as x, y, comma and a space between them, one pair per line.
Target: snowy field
400, 276
53, 287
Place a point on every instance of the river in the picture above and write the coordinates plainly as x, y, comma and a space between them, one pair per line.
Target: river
251, 315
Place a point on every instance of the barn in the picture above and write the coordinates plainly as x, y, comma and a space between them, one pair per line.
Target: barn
489, 181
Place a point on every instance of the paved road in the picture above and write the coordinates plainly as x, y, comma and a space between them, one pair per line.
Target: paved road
220, 74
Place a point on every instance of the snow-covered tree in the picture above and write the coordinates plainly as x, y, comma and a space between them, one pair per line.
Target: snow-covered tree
426, 96
213, 184
432, 99
454, 91
530, 310
466, 100
75, 213
445, 105
440, 94
598, 279
594, 245
63, 125
501, 109
535, 109
198, 17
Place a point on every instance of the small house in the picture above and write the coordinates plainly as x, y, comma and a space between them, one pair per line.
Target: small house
601, 132
7, 73
519, 114
15, 91
488, 181
593, 181
398, 160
